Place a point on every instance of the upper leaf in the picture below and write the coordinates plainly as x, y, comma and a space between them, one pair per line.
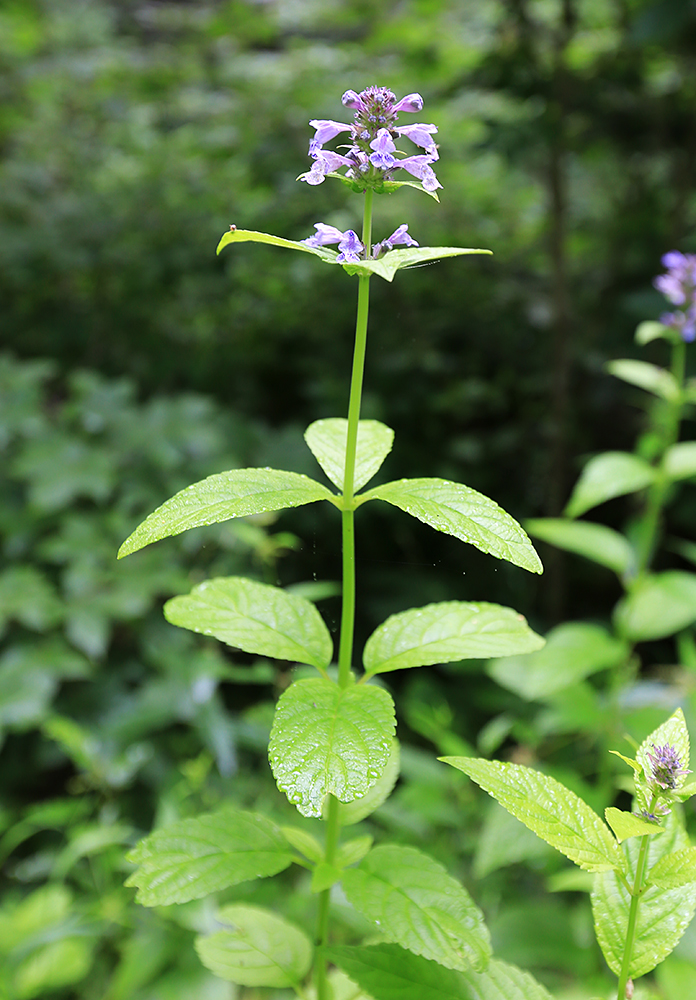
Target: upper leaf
656, 380
594, 541
327, 442
659, 605
330, 740
609, 475
236, 493
258, 948
679, 461
194, 857
442, 633
547, 807
250, 236
387, 266
412, 901
353, 812
649, 330
391, 973
462, 512
625, 824
255, 617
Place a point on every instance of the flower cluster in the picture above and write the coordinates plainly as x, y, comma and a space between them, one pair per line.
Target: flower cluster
371, 156
666, 767
679, 286
350, 246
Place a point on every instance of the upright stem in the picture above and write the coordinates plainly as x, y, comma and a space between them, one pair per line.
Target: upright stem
633, 911
345, 649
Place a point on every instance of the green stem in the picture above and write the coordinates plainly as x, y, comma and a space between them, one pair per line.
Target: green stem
345, 649
636, 893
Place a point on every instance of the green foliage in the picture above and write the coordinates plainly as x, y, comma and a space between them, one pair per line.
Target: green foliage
326, 439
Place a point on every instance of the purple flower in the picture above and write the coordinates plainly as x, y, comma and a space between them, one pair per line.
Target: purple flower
412, 102
678, 285
399, 236
421, 135
348, 243
383, 147
325, 161
666, 766
326, 129
419, 166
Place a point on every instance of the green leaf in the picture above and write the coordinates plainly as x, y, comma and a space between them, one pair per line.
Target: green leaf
659, 605
413, 902
609, 475
646, 376
390, 973
549, 809
675, 870
625, 824
236, 493
194, 857
446, 632
594, 541
259, 948
353, 851
460, 511
304, 842
385, 187
324, 876
251, 236
505, 841
330, 740
327, 442
651, 330
255, 617
663, 915
679, 461
572, 652
387, 266
354, 812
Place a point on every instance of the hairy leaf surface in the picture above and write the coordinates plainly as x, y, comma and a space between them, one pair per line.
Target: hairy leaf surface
460, 511
255, 617
547, 807
675, 870
330, 740
194, 857
413, 902
326, 440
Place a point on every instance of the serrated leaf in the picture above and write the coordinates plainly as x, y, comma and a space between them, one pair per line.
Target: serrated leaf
627, 760
549, 809
446, 632
390, 973
225, 495
625, 824
387, 266
251, 236
354, 812
327, 442
255, 617
612, 474
194, 857
679, 461
658, 605
675, 870
330, 740
258, 948
572, 652
651, 330
659, 381
460, 511
663, 915
413, 902
594, 541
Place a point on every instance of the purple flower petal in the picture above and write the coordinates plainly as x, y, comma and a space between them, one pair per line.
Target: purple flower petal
412, 102
419, 167
327, 129
324, 234
383, 147
350, 247
421, 135
352, 100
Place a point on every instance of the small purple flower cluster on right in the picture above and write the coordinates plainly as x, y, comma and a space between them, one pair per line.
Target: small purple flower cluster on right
350, 246
679, 286
666, 766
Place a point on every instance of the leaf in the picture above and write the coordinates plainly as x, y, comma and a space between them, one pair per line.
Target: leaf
251, 236
675, 870
390, 973
385, 187
625, 824
460, 511
572, 652
446, 632
594, 541
646, 376
330, 740
505, 841
387, 266
679, 461
194, 857
651, 330
304, 842
327, 442
255, 617
353, 812
658, 605
609, 475
259, 948
663, 915
353, 851
413, 902
236, 493
549, 809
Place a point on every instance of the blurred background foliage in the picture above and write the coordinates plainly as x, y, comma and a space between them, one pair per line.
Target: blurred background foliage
132, 134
